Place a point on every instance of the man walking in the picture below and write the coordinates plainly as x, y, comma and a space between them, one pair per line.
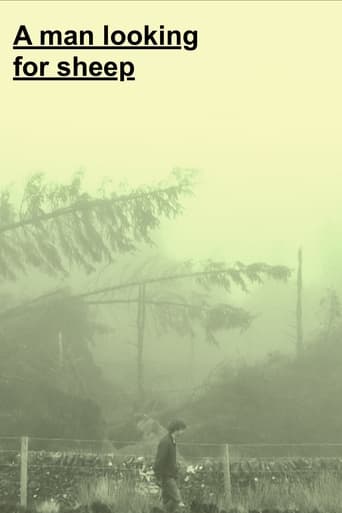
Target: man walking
165, 467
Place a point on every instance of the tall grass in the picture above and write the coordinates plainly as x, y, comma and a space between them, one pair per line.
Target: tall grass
323, 494
120, 496
48, 507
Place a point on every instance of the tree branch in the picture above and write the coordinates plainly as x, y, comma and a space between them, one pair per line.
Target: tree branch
229, 271
85, 205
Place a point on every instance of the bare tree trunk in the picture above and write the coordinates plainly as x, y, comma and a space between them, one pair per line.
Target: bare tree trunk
140, 345
60, 350
191, 374
300, 345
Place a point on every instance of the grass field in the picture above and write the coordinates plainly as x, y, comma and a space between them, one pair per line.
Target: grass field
323, 495
104, 495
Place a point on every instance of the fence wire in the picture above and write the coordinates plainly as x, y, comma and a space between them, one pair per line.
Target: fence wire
56, 466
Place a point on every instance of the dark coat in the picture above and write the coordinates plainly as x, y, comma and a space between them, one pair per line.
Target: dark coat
165, 464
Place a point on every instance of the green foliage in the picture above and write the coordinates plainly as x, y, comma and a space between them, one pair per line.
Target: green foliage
331, 311
323, 494
280, 400
119, 496
50, 385
198, 307
47, 412
60, 225
224, 276
183, 296
186, 318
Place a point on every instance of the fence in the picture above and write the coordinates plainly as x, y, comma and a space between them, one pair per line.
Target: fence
32, 468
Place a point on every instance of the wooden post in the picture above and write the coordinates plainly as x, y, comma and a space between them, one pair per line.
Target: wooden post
299, 305
23, 470
227, 480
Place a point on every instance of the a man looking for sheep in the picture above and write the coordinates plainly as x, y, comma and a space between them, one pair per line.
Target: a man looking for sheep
165, 467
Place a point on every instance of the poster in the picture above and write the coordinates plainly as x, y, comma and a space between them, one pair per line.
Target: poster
170, 215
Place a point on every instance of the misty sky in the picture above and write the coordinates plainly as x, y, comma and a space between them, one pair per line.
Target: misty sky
257, 109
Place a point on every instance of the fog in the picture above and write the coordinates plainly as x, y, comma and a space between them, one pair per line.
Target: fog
256, 109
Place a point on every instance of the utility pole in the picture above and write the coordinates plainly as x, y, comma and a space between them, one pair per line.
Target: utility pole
299, 316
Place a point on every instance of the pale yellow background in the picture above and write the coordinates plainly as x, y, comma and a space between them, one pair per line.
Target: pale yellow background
257, 108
